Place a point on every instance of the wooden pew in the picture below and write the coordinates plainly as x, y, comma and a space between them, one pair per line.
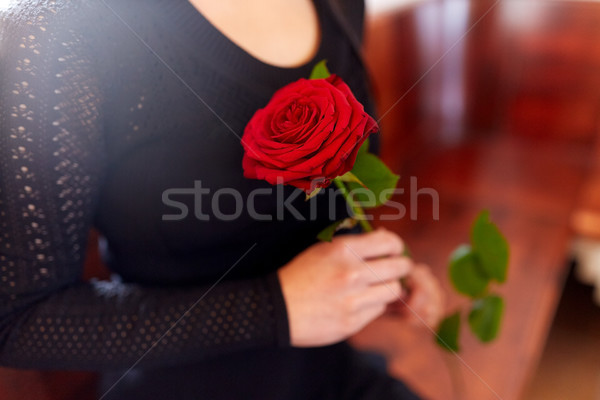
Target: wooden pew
529, 92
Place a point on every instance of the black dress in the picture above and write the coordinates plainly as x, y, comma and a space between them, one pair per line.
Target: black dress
126, 116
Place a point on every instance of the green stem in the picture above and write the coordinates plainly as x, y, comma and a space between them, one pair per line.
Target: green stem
359, 214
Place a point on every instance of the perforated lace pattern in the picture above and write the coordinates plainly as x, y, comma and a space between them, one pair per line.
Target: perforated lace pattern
51, 163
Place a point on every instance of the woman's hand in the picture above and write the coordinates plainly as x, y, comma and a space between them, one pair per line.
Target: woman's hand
408, 322
423, 302
334, 289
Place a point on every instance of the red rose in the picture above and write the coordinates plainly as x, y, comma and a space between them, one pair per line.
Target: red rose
308, 134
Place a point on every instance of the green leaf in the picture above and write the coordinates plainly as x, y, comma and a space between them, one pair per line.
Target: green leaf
465, 272
448, 333
327, 234
364, 148
320, 71
350, 177
490, 247
313, 193
377, 178
486, 316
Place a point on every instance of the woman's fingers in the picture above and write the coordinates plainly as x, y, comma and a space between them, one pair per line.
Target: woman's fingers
385, 269
380, 294
379, 243
426, 301
374, 257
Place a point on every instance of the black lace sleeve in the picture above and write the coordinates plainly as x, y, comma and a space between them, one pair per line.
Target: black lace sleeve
51, 167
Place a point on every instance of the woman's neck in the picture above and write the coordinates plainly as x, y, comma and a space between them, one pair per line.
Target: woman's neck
283, 33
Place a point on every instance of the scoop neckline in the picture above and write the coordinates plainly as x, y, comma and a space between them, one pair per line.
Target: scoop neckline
227, 45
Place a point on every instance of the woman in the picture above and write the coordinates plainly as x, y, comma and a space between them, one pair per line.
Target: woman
122, 115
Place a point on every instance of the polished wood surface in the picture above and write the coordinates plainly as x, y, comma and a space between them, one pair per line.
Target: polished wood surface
586, 218
498, 175
507, 119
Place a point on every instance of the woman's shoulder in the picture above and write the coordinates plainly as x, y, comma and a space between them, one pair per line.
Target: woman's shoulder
44, 18
37, 13
34, 30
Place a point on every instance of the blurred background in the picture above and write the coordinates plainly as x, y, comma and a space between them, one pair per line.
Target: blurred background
483, 104
496, 104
